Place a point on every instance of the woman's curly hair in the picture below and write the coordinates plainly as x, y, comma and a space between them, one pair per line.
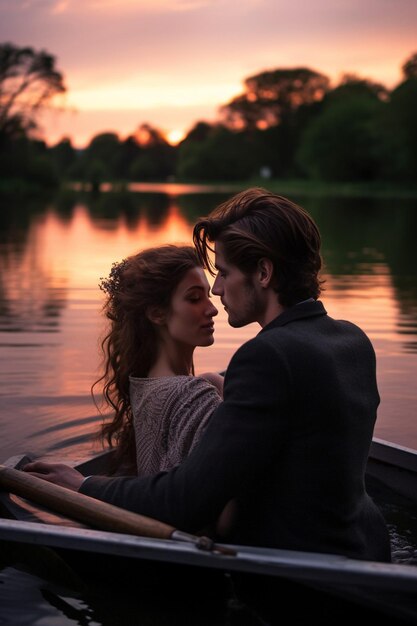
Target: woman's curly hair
137, 285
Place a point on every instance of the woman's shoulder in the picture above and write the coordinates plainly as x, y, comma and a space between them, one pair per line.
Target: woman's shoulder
168, 385
159, 381
215, 379
195, 385
153, 390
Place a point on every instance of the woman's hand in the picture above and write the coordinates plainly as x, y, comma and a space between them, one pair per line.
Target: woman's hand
57, 473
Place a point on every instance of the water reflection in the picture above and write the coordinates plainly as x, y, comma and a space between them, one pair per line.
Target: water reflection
29, 298
372, 238
48, 248
53, 252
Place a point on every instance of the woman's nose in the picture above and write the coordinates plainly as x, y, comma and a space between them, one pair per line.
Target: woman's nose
212, 311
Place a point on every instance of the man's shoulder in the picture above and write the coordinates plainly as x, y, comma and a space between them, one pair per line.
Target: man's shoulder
262, 346
255, 367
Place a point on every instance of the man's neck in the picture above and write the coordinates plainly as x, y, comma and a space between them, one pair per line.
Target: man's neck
275, 308
272, 309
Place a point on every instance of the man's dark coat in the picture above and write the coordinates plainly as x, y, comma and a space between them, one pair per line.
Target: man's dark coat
289, 444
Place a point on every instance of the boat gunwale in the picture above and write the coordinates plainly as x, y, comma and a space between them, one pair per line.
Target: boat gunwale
352, 579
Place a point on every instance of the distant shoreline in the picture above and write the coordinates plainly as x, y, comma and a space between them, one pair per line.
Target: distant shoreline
292, 187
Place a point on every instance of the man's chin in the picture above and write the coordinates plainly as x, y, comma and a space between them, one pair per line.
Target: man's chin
234, 323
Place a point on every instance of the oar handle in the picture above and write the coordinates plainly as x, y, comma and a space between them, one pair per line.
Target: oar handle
97, 513
81, 507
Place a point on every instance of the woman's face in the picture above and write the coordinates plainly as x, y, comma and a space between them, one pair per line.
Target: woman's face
190, 318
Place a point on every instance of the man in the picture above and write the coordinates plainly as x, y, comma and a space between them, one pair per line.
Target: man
289, 443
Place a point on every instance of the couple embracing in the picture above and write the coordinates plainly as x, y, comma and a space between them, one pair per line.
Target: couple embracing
277, 456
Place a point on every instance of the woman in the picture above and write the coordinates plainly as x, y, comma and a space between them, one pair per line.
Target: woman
159, 307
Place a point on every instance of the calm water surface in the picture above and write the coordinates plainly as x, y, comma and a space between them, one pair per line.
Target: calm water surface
54, 251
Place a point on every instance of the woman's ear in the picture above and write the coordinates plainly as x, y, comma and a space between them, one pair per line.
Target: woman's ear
265, 272
156, 316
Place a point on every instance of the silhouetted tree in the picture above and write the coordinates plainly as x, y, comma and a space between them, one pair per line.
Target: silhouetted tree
400, 127
129, 151
223, 155
271, 96
28, 160
101, 158
352, 85
157, 157
199, 132
409, 68
342, 143
190, 162
144, 167
63, 155
148, 136
28, 82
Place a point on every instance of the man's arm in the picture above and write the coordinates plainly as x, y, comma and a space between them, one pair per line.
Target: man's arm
242, 437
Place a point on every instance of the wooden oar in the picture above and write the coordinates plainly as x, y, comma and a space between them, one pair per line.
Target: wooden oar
94, 512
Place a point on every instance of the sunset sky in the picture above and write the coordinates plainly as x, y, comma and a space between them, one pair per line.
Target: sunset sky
171, 63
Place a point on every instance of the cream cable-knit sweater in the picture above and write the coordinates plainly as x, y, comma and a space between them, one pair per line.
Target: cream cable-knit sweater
169, 415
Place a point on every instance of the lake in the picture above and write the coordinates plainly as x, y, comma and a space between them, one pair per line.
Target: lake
53, 252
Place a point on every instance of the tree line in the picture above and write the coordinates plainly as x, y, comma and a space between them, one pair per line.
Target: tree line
287, 123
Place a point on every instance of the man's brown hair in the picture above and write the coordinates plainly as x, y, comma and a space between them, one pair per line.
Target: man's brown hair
256, 224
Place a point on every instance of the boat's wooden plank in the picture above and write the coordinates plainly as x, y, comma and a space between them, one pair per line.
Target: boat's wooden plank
394, 463
383, 586
394, 454
18, 461
395, 467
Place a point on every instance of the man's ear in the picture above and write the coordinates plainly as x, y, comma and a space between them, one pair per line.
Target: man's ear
156, 316
265, 272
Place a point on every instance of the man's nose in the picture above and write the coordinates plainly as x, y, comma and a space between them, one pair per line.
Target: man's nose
216, 289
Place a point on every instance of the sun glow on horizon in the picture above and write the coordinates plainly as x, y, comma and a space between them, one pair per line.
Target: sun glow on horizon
152, 89
175, 136
128, 6
173, 63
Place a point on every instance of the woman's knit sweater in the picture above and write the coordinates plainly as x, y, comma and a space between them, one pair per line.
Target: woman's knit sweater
169, 415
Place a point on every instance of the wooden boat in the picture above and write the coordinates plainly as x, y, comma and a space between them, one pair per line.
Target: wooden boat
385, 590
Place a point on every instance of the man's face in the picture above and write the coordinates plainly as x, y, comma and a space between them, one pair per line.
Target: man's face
236, 290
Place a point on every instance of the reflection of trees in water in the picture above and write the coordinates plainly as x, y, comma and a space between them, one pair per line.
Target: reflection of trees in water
16, 216
110, 207
195, 205
29, 299
154, 206
407, 323
401, 252
362, 234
